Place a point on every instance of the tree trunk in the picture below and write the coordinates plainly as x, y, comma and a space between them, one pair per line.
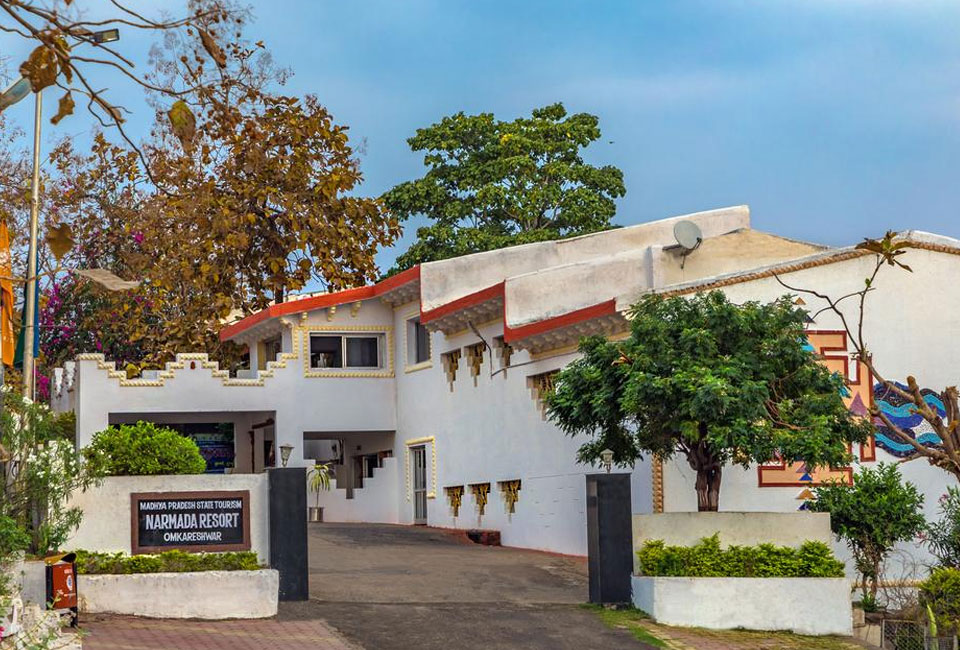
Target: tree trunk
709, 470
708, 488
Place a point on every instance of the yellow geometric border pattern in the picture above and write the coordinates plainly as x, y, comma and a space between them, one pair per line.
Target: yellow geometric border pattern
413, 442
171, 368
306, 330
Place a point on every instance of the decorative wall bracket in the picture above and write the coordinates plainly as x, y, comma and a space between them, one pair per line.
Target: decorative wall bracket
455, 497
541, 385
511, 494
451, 361
475, 359
481, 493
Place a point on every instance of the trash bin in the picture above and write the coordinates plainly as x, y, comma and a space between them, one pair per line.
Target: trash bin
62, 584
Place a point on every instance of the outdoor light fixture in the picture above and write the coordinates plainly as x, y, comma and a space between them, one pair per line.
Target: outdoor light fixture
285, 450
607, 456
104, 36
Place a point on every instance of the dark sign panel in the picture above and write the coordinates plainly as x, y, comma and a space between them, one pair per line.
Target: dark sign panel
190, 521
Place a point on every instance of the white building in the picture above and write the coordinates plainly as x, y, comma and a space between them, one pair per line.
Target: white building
424, 389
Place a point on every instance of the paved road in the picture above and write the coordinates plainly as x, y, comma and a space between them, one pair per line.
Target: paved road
398, 587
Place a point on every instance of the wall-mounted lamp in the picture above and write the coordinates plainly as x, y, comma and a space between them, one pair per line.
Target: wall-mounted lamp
607, 457
285, 450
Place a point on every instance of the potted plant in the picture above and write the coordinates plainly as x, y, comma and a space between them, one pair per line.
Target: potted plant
319, 481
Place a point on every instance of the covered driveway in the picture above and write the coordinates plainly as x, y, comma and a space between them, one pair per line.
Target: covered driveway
394, 587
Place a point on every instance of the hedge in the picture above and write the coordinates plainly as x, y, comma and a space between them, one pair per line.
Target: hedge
167, 562
707, 560
143, 449
941, 593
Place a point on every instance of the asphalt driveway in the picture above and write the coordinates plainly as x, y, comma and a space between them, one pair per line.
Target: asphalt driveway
397, 587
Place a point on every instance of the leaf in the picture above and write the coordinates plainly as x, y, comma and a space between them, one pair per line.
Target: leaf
40, 68
183, 123
64, 107
212, 48
60, 240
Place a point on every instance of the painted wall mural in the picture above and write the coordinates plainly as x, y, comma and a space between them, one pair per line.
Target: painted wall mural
901, 414
831, 345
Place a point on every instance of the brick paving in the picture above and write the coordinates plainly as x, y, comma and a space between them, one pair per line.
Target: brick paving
129, 633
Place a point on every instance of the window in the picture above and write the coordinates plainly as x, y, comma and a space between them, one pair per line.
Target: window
418, 342
345, 351
271, 350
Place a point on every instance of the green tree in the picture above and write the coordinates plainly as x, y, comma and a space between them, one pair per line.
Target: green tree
491, 184
872, 515
143, 449
714, 381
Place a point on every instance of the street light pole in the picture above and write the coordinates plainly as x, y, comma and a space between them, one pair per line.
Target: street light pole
30, 308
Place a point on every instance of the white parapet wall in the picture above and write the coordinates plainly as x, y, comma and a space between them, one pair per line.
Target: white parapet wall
202, 594
106, 523
814, 606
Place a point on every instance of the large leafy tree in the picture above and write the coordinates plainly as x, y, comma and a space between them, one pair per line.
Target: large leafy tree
251, 194
711, 380
491, 183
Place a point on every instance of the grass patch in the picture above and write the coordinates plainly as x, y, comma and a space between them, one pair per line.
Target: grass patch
628, 619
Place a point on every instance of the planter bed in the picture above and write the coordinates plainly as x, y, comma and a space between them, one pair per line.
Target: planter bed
195, 594
814, 606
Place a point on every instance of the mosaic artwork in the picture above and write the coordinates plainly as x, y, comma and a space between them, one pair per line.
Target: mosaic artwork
902, 414
831, 346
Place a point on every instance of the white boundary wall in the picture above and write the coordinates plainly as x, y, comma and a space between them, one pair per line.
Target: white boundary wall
815, 606
106, 509
200, 594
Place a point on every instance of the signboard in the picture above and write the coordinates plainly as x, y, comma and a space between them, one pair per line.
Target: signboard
190, 521
215, 440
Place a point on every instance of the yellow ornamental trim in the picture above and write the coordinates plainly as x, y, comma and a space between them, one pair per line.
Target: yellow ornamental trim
306, 330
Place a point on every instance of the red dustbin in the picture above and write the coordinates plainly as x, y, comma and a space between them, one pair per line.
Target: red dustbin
62, 584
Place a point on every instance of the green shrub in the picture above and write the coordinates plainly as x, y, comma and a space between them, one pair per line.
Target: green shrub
941, 592
143, 449
166, 562
879, 510
707, 560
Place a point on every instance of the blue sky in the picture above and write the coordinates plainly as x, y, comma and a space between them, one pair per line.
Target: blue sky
833, 119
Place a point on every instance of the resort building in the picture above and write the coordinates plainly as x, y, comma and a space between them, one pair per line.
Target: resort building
425, 390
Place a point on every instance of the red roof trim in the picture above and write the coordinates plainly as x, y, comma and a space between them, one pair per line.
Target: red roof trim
469, 300
607, 308
321, 301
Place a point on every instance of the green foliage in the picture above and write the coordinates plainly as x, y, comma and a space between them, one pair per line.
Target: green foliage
713, 380
941, 594
143, 449
943, 536
65, 426
492, 184
166, 562
871, 516
707, 560
40, 471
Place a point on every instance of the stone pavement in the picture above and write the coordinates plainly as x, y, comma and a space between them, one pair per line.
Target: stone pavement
129, 633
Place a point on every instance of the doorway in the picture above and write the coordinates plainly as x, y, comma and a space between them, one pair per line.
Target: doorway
418, 459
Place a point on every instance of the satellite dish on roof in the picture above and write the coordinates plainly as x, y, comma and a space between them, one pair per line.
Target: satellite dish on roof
688, 235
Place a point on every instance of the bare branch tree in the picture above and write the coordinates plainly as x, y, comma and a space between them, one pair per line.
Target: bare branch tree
946, 453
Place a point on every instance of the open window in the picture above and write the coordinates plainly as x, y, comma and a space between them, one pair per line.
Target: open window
418, 342
346, 351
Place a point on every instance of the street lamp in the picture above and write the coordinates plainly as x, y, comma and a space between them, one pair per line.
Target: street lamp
13, 94
285, 450
607, 457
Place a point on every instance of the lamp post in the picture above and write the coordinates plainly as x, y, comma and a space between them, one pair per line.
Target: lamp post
607, 457
285, 450
9, 97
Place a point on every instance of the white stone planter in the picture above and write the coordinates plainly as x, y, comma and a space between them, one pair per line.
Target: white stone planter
200, 594
814, 606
